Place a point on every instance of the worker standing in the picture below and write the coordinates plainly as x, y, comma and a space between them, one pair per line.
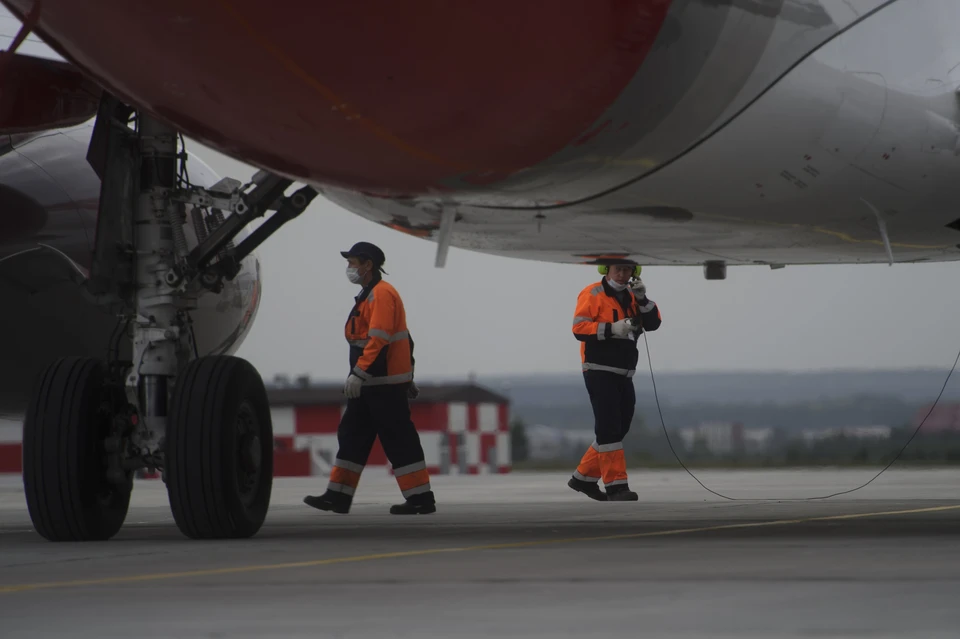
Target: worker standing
378, 390
609, 317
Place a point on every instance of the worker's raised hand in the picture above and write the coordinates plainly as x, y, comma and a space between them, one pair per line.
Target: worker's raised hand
352, 388
639, 288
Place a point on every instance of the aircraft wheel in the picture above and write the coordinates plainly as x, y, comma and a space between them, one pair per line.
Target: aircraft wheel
64, 460
219, 449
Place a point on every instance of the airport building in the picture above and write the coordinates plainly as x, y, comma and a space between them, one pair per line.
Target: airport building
11, 432
943, 417
464, 429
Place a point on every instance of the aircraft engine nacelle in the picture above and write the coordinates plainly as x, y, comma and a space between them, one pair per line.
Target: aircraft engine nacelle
40, 95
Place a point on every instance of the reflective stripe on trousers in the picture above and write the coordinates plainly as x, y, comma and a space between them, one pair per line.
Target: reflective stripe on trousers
587, 366
344, 477
413, 479
604, 461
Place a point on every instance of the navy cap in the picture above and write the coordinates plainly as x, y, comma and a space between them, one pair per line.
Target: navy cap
366, 250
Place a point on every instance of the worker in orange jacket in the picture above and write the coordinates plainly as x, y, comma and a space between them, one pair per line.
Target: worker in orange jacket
609, 317
378, 390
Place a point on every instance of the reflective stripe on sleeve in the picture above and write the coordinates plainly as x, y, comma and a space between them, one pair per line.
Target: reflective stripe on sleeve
396, 337
362, 374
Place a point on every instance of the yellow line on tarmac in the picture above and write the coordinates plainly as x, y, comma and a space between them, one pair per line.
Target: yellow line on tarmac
436, 551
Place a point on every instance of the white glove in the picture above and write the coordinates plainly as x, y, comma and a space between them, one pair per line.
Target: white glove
352, 388
621, 328
639, 288
414, 391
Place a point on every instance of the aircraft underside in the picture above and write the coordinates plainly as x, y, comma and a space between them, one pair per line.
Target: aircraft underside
674, 132
667, 131
845, 153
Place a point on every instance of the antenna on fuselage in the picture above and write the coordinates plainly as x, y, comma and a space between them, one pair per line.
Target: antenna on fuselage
882, 223
448, 214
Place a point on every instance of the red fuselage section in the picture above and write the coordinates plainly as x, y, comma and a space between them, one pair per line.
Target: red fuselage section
394, 98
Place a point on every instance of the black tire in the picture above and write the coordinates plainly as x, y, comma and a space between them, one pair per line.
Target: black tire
64, 463
219, 449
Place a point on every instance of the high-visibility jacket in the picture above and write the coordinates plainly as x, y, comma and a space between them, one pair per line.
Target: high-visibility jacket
599, 306
381, 350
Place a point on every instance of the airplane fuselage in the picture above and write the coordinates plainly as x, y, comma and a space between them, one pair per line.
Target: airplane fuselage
675, 132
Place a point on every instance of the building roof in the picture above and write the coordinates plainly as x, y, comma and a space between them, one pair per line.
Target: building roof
312, 394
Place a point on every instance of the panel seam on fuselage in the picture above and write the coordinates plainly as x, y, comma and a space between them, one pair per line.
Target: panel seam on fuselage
704, 139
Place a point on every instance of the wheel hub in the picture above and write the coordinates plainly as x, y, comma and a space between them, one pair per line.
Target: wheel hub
250, 455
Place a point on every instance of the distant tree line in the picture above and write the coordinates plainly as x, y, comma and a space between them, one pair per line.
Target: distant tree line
519, 444
860, 410
651, 446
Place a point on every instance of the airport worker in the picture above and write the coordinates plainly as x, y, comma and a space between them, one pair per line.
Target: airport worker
378, 390
609, 317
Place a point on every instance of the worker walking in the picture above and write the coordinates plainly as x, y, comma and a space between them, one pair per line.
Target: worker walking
378, 390
608, 320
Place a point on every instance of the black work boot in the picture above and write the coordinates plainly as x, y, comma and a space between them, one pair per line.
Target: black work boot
621, 493
330, 501
588, 488
422, 504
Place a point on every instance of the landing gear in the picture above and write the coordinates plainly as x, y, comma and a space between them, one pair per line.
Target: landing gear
203, 419
73, 492
219, 450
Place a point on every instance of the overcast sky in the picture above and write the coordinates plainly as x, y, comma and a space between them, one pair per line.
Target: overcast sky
493, 315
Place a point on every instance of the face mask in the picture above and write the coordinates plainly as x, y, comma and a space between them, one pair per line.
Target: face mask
616, 285
353, 274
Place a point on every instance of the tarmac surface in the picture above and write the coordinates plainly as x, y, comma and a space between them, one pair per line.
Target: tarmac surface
517, 555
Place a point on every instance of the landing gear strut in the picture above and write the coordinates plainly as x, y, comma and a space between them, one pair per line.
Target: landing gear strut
203, 420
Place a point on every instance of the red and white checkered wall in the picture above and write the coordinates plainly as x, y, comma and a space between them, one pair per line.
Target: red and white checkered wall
457, 438
10, 435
